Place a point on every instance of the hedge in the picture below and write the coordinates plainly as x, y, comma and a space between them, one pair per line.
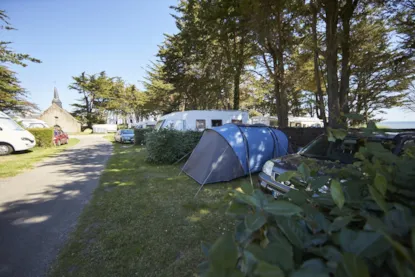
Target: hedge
168, 146
140, 135
43, 136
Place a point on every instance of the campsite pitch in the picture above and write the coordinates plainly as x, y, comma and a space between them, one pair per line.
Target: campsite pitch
144, 221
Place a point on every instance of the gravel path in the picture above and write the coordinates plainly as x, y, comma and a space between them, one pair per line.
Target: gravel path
40, 207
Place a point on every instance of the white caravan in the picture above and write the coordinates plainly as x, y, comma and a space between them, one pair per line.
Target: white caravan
145, 124
298, 122
104, 128
200, 120
13, 137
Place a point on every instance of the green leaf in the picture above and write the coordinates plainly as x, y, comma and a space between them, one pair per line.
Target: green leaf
242, 235
296, 196
247, 188
337, 193
363, 243
318, 182
203, 268
286, 176
264, 269
352, 266
282, 207
224, 253
328, 252
304, 170
254, 221
295, 232
338, 134
236, 208
354, 116
378, 198
400, 249
339, 223
380, 183
247, 199
279, 244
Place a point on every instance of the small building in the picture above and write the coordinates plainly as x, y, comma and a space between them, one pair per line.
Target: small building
56, 115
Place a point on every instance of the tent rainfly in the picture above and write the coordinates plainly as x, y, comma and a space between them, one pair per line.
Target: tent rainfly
231, 151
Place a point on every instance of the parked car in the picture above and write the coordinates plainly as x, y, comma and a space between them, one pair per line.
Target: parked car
124, 136
13, 137
60, 137
322, 151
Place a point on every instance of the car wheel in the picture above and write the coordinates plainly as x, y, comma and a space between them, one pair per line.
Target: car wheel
5, 149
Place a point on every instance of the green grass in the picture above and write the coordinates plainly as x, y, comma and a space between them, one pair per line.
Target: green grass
13, 164
143, 220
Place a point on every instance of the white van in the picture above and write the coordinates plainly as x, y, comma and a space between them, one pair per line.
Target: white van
29, 123
200, 120
13, 137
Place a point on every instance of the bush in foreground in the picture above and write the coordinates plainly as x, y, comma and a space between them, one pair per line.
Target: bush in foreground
140, 135
43, 136
362, 226
167, 146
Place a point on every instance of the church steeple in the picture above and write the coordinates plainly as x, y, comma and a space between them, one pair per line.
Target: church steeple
56, 99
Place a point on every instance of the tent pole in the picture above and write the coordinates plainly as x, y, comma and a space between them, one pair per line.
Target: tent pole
209, 174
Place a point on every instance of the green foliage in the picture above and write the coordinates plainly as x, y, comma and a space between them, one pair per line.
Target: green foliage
43, 136
13, 98
168, 146
363, 226
140, 135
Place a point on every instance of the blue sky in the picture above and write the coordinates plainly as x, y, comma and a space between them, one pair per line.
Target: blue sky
72, 36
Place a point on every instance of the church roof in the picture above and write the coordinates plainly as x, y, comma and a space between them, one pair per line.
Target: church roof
56, 99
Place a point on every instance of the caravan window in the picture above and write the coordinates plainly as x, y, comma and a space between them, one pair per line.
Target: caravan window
216, 122
236, 121
200, 124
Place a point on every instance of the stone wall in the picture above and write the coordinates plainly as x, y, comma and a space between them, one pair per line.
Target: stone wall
64, 119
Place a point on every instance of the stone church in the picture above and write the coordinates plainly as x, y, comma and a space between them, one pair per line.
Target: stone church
56, 115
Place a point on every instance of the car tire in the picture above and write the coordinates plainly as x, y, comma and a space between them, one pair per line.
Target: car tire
5, 149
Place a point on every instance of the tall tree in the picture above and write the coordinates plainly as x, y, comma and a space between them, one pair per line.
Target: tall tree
13, 98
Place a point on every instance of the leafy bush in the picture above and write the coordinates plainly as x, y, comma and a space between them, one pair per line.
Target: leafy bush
167, 146
140, 135
43, 136
359, 222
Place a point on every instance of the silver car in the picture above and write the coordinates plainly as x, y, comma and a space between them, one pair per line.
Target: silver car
124, 136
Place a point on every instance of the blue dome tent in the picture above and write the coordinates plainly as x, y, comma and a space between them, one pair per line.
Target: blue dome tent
232, 150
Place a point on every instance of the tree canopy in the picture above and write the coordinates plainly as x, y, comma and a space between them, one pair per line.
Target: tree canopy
323, 58
13, 97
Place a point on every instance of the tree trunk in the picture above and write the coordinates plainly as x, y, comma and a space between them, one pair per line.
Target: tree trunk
331, 9
236, 81
346, 15
320, 109
283, 100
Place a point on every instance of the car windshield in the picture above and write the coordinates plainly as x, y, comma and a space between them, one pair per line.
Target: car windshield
10, 124
340, 150
127, 132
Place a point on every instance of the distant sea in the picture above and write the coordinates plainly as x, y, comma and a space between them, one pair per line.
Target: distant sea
396, 124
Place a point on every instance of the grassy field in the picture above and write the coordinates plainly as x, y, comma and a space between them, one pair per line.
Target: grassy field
143, 220
13, 164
